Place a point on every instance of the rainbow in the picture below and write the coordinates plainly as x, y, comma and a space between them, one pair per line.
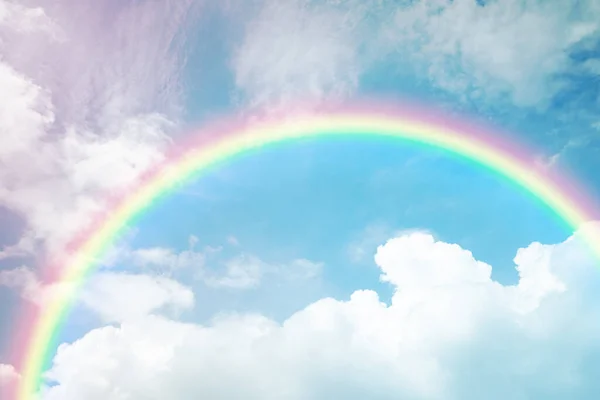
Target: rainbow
207, 149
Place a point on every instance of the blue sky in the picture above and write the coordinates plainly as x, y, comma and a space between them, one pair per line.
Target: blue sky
320, 269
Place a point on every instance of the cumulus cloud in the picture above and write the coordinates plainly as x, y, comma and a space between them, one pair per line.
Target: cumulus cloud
450, 332
365, 242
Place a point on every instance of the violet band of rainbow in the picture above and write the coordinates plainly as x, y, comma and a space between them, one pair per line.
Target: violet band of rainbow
560, 194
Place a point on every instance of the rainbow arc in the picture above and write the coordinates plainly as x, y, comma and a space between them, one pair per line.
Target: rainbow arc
560, 194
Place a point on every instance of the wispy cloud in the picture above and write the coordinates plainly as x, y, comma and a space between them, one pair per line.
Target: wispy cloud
104, 82
516, 51
295, 50
247, 271
119, 297
509, 48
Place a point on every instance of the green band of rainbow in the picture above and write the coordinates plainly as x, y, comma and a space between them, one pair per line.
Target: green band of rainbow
469, 142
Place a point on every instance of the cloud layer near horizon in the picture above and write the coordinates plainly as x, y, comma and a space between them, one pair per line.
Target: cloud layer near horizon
450, 332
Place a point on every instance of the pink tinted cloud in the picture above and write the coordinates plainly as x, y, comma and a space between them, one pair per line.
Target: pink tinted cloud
107, 59
89, 81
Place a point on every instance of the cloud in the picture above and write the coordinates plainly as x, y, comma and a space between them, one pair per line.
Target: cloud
241, 272
117, 59
24, 281
212, 265
25, 112
450, 332
113, 296
84, 83
294, 50
301, 269
8, 374
75, 102
233, 241
23, 19
118, 297
417, 261
67, 183
23, 248
592, 66
516, 48
167, 259
8, 379
247, 271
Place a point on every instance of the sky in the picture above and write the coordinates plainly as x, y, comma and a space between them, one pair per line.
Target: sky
347, 269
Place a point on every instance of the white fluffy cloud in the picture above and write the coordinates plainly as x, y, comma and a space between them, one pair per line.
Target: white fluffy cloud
450, 332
